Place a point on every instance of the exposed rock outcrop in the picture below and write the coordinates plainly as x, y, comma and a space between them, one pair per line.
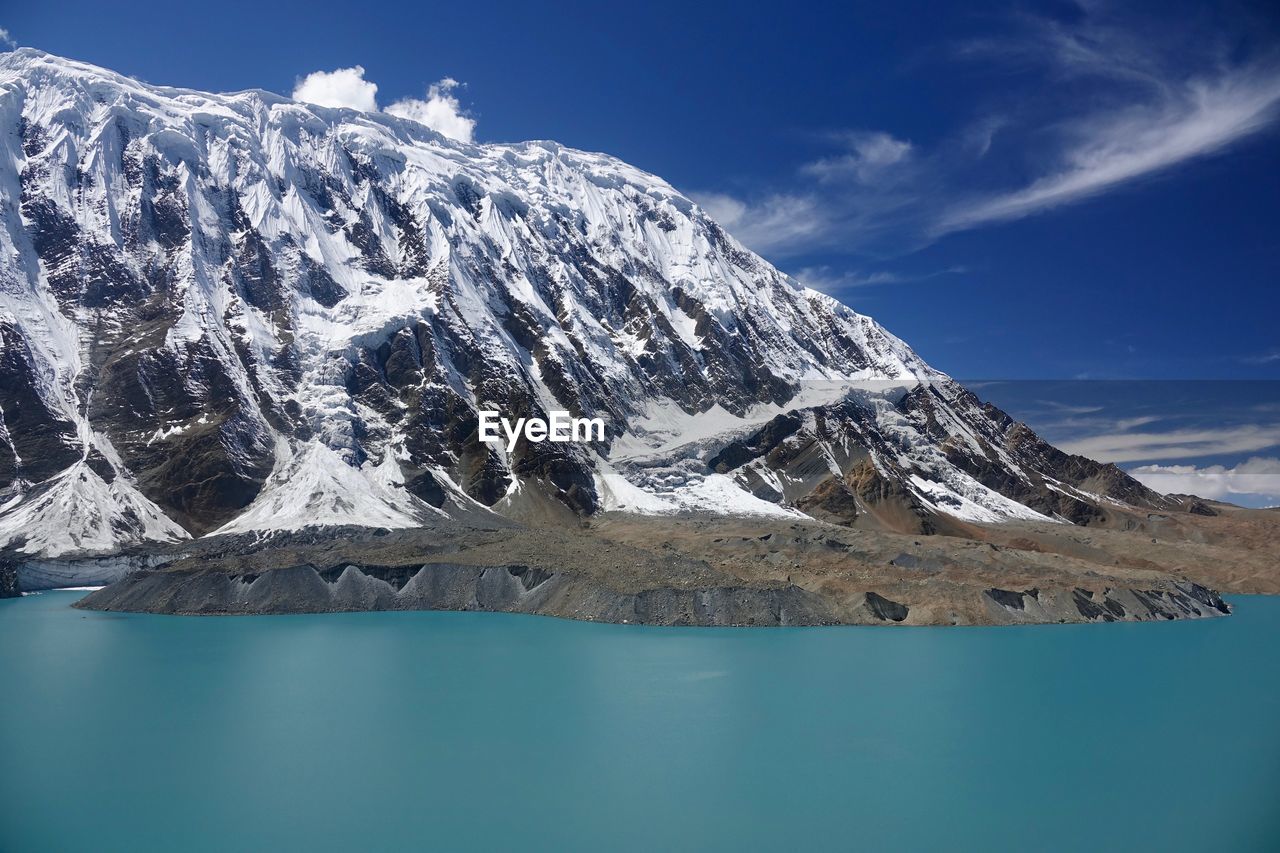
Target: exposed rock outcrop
8, 578
690, 571
445, 586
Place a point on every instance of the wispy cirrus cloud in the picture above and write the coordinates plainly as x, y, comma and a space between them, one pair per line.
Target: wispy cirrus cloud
868, 157
864, 189
1126, 445
1084, 108
774, 224
833, 282
1101, 152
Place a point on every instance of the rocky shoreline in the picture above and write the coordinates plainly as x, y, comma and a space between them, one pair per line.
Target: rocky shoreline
641, 571
445, 586
700, 570
521, 589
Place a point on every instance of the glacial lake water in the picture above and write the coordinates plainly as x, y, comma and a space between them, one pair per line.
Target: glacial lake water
475, 730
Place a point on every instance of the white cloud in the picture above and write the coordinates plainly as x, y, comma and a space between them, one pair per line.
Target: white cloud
1259, 476
439, 111
776, 223
1082, 109
870, 156
1068, 409
978, 137
5, 38
345, 87
1108, 150
1126, 446
831, 282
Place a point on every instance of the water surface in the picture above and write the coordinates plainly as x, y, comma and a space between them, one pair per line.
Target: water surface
445, 730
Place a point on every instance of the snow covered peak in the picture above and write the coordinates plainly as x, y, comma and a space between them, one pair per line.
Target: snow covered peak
216, 297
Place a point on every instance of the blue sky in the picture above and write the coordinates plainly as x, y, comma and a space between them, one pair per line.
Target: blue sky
1020, 190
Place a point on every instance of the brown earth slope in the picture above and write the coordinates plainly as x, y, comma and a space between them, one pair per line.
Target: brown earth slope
711, 570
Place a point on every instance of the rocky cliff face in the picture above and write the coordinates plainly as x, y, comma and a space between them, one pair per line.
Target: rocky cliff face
238, 313
9, 579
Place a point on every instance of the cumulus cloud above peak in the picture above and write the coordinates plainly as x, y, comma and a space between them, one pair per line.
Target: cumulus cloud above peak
345, 87
440, 110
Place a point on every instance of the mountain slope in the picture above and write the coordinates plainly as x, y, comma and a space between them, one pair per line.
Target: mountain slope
237, 312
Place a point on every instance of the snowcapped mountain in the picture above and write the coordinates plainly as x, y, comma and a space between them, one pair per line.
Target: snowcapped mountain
230, 313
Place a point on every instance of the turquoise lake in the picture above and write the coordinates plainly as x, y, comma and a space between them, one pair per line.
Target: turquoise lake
478, 730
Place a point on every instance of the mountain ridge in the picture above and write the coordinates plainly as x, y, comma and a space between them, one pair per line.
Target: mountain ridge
234, 313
